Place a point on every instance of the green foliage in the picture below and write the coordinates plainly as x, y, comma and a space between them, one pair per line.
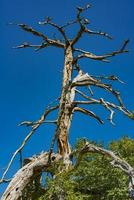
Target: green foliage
33, 190
94, 178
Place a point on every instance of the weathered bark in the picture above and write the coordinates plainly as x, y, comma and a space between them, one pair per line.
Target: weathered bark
26, 174
65, 109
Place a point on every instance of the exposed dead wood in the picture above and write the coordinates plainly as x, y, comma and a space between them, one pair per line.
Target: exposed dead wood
68, 104
35, 126
39, 164
26, 174
87, 54
115, 162
104, 34
88, 112
65, 109
48, 21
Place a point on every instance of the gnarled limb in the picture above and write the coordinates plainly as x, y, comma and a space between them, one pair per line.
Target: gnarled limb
116, 162
26, 174
34, 128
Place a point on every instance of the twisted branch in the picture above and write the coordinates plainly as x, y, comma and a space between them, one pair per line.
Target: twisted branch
116, 162
34, 128
26, 175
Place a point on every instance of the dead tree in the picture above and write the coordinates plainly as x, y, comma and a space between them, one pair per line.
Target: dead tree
68, 105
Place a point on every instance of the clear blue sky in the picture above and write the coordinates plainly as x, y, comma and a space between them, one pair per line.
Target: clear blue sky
30, 80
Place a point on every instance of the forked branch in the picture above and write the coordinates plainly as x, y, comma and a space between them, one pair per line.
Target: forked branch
35, 126
81, 21
45, 38
87, 80
107, 105
87, 54
48, 21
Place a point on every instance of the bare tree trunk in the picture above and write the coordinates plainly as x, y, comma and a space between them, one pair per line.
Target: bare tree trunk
68, 105
65, 110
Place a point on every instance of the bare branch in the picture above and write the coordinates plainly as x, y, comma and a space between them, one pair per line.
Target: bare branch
50, 121
87, 112
34, 128
96, 149
78, 35
109, 109
116, 162
26, 174
109, 106
111, 78
59, 28
83, 21
85, 79
69, 24
5, 181
82, 94
90, 90
36, 47
101, 58
29, 29
28, 123
124, 45
26, 45
86, 54
17, 151
90, 32
80, 10
39, 34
